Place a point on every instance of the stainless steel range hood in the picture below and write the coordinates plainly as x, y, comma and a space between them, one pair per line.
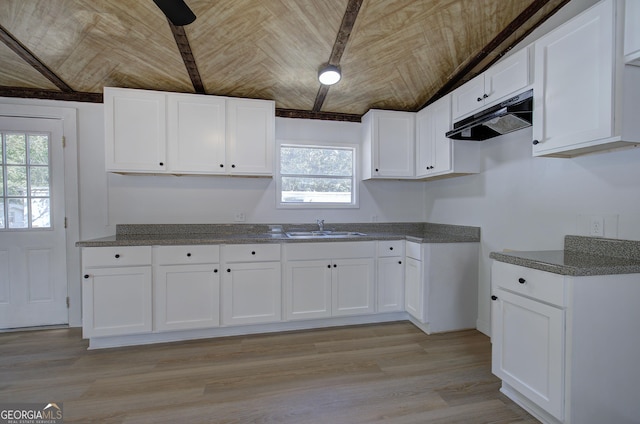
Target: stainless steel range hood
511, 115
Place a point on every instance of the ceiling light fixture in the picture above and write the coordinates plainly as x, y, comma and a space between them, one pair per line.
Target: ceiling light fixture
329, 75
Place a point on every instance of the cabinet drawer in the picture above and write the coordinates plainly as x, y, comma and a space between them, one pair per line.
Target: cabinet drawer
180, 255
539, 285
251, 252
391, 248
116, 256
413, 250
330, 250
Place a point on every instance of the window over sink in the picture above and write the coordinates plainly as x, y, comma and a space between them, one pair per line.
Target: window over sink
316, 175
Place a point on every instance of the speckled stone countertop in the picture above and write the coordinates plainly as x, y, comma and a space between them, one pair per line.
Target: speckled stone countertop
581, 256
190, 234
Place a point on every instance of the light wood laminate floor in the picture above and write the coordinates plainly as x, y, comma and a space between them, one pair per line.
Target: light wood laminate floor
383, 373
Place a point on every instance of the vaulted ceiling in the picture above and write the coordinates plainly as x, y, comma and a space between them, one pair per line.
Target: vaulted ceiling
394, 54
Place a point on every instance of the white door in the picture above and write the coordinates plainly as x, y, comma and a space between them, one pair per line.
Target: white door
33, 260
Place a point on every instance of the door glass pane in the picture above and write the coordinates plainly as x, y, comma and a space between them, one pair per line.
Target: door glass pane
2, 184
39, 179
16, 180
16, 149
40, 216
18, 213
38, 149
2, 223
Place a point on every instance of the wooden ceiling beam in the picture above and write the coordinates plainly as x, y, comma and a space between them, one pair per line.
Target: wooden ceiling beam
340, 44
325, 116
184, 47
37, 93
28, 56
520, 20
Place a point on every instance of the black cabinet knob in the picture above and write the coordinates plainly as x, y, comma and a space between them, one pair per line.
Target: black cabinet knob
86, 276
221, 166
215, 270
228, 269
188, 255
117, 255
161, 163
400, 262
494, 297
521, 280
485, 95
479, 99
233, 165
329, 266
535, 142
391, 248
253, 252
376, 169
334, 265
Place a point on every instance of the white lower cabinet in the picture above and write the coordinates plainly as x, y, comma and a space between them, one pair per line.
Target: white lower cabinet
441, 285
329, 279
186, 287
251, 284
116, 291
390, 276
564, 347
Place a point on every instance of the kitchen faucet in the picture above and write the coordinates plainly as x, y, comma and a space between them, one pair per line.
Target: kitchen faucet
320, 223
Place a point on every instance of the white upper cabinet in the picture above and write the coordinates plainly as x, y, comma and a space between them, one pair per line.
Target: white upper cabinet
196, 126
172, 133
585, 99
501, 80
135, 130
389, 144
632, 32
250, 136
437, 155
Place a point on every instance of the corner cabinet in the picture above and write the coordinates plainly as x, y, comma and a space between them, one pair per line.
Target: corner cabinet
116, 291
436, 155
563, 346
388, 144
172, 133
585, 99
441, 285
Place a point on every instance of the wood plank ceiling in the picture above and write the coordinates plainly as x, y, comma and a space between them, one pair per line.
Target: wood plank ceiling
394, 54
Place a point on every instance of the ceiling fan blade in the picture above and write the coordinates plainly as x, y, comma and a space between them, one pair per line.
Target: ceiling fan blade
176, 11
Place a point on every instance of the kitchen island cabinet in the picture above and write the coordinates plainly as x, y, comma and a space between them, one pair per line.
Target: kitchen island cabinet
564, 332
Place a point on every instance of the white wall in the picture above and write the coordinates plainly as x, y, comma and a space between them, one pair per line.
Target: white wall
194, 199
527, 203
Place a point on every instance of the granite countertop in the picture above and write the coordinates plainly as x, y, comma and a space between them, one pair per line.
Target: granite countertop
582, 256
191, 234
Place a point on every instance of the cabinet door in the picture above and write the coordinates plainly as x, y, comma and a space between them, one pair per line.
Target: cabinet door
196, 132
116, 301
308, 289
390, 284
352, 287
528, 349
186, 297
251, 293
392, 144
632, 32
413, 288
135, 130
573, 86
250, 136
507, 76
468, 97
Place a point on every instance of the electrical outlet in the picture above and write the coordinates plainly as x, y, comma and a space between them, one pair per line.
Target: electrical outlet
240, 217
596, 226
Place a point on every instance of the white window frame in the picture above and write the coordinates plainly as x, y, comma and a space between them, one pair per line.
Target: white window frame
315, 205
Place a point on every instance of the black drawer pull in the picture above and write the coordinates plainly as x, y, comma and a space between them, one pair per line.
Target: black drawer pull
215, 270
253, 252
117, 255
228, 269
521, 280
494, 297
188, 255
86, 276
391, 248
400, 262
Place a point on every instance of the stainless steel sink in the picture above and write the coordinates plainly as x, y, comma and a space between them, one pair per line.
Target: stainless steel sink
323, 234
